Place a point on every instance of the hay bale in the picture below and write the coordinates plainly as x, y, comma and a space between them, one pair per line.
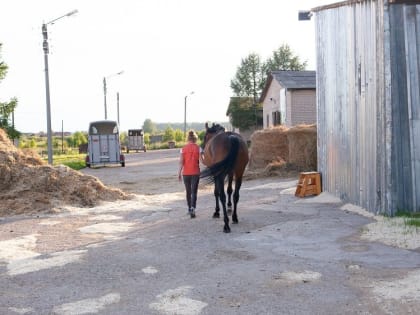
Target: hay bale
303, 147
283, 151
28, 185
268, 146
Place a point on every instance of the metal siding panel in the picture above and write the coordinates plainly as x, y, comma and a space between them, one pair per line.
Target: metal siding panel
412, 20
381, 105
320, 109
402, 182
347, 102
416, 165
388, 115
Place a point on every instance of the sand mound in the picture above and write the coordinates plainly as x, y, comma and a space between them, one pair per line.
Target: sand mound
28, 185
283, 151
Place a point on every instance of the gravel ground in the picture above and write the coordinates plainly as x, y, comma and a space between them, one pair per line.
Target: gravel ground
287, 255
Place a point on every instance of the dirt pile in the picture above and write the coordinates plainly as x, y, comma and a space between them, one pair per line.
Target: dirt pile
28, 185
283, 151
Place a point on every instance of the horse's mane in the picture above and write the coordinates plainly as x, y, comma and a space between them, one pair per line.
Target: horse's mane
215, 128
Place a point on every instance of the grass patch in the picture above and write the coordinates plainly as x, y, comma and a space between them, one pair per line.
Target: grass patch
74, 161
410, 218
413, 222
76, 165
407, 214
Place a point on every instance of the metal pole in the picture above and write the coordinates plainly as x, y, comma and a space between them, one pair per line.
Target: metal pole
62, 136
47, 83
185, 117
185, 114
106, 116
118, 108
255, 113
105, 90
47, 92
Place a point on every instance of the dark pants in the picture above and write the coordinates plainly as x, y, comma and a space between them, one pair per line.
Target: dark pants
191, 188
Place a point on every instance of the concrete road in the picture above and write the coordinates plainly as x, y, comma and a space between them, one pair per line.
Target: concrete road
287, 255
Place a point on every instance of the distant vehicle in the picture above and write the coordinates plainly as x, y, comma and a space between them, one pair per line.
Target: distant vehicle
104, 144
136, 140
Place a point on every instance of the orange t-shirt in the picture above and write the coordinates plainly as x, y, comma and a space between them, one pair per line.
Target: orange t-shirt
191, 156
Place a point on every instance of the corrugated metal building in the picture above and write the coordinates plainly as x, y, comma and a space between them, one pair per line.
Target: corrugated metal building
368, 102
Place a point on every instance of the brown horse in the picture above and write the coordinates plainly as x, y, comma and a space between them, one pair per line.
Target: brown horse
225, 154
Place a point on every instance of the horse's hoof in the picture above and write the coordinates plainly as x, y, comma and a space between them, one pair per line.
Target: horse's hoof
235, 221
216, 215
226, 229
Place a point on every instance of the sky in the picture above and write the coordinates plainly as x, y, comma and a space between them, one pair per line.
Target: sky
165, 48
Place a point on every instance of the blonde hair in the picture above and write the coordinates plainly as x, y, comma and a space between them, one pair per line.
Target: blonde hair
192, 136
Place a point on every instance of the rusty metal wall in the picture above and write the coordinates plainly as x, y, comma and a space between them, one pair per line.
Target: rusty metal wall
367, 96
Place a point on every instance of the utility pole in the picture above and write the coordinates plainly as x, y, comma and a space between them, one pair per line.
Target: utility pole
104, 83
47, 83
106, 114
62, 136
118, 109
185, 114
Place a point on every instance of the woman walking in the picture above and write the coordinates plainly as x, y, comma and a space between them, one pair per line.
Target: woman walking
189, 169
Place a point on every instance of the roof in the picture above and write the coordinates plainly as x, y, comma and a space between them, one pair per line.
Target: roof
351, 2
291, 80
295, 79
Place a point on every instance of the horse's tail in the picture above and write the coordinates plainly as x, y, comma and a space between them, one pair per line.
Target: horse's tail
225, 166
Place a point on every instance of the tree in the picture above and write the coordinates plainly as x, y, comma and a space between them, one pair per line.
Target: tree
249, 77
179, 135
284, 59
7, 108
146, 138
149, 126
201, 135
169, 134
249, 82
244, 113
76, 139
124, 138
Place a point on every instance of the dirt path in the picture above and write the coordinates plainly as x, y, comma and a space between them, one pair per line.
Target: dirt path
146, 256
152, 172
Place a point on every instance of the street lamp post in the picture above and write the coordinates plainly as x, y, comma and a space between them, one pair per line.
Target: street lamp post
185, 114
47, 82
104, 82
118, 108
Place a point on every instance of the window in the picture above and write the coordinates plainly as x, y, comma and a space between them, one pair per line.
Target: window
276, 118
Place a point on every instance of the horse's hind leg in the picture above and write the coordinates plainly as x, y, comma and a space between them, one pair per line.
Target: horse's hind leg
220, 184
216, 213
229, 194
238, 184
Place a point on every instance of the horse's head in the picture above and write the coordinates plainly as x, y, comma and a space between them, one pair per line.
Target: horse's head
211, 131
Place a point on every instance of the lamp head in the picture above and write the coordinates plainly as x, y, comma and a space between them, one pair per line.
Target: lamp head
72, 12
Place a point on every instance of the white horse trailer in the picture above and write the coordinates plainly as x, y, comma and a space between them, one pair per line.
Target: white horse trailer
136, 140
104, 144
